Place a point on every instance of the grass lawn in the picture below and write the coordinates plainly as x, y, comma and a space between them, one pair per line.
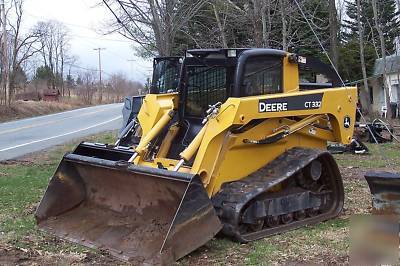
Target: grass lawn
22, 183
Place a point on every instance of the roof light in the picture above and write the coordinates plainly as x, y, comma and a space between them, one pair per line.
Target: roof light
302, 60
231, 53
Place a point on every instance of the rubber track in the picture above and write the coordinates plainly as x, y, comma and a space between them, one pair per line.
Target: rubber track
234, 196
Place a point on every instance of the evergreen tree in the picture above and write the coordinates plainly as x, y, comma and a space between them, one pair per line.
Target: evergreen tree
79, 80
388, 16
44, 73
19, 77
306, 42
70, 82
350, 58
349, 63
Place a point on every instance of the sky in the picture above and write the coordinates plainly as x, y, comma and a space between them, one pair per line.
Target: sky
84, 20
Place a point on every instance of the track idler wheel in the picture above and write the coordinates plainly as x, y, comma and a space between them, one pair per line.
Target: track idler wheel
312, 212
272, 221
257, 226
313, 170
300, 215
287, 218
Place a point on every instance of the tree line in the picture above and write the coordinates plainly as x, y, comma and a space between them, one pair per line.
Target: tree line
354, 32
40, 59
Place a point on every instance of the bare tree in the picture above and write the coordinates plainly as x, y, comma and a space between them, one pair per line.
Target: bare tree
341, 9
22, 46
70, 60
54, 40
87, 90
120, 86
259, 15
221, 22
333, 32
398, 4
4, 50
153, 24
17, 47
256, 9
283, 8
266, 19
378, 27
362, 54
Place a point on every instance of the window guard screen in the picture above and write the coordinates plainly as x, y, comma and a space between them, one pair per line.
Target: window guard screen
205, 86
262, 75
166, 76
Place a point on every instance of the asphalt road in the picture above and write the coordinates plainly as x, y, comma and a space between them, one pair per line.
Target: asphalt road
24, 136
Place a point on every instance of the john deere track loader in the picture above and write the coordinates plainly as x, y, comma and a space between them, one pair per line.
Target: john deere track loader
241, 149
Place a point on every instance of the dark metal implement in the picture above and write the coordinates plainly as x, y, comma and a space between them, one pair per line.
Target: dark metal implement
385, 190
138, 214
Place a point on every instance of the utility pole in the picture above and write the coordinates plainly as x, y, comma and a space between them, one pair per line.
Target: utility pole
132, 61
100, 84
4, 48
99, 50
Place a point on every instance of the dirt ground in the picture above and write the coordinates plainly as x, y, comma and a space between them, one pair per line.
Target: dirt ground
21, 243
11, 255
297, 247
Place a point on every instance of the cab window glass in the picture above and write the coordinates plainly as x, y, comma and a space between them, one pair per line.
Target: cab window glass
128, 104
205, 86
262, 75
166, 76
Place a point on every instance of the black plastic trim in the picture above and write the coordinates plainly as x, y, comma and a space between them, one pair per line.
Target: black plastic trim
242, 63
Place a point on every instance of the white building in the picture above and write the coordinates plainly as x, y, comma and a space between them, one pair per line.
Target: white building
377, 95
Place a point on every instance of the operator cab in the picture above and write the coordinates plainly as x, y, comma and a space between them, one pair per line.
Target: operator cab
213, 75
210, 76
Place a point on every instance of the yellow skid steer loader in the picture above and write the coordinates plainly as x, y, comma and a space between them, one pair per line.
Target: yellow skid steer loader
241, 149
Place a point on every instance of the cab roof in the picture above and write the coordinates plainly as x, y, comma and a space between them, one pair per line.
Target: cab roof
237, 51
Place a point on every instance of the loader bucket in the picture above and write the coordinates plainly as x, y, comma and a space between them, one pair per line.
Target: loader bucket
385, 190
138, 214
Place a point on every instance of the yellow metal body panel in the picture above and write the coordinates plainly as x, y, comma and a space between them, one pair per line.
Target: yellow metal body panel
153, 108
154, 115
290, 76
221, 156
242, 159
166, 144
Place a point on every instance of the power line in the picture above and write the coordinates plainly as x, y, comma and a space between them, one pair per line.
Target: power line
94, 38
334, 67
71, 64
320, 43
91, 69
123, 58
85, 27
84, 37
66, 23
99, 38
133, 37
